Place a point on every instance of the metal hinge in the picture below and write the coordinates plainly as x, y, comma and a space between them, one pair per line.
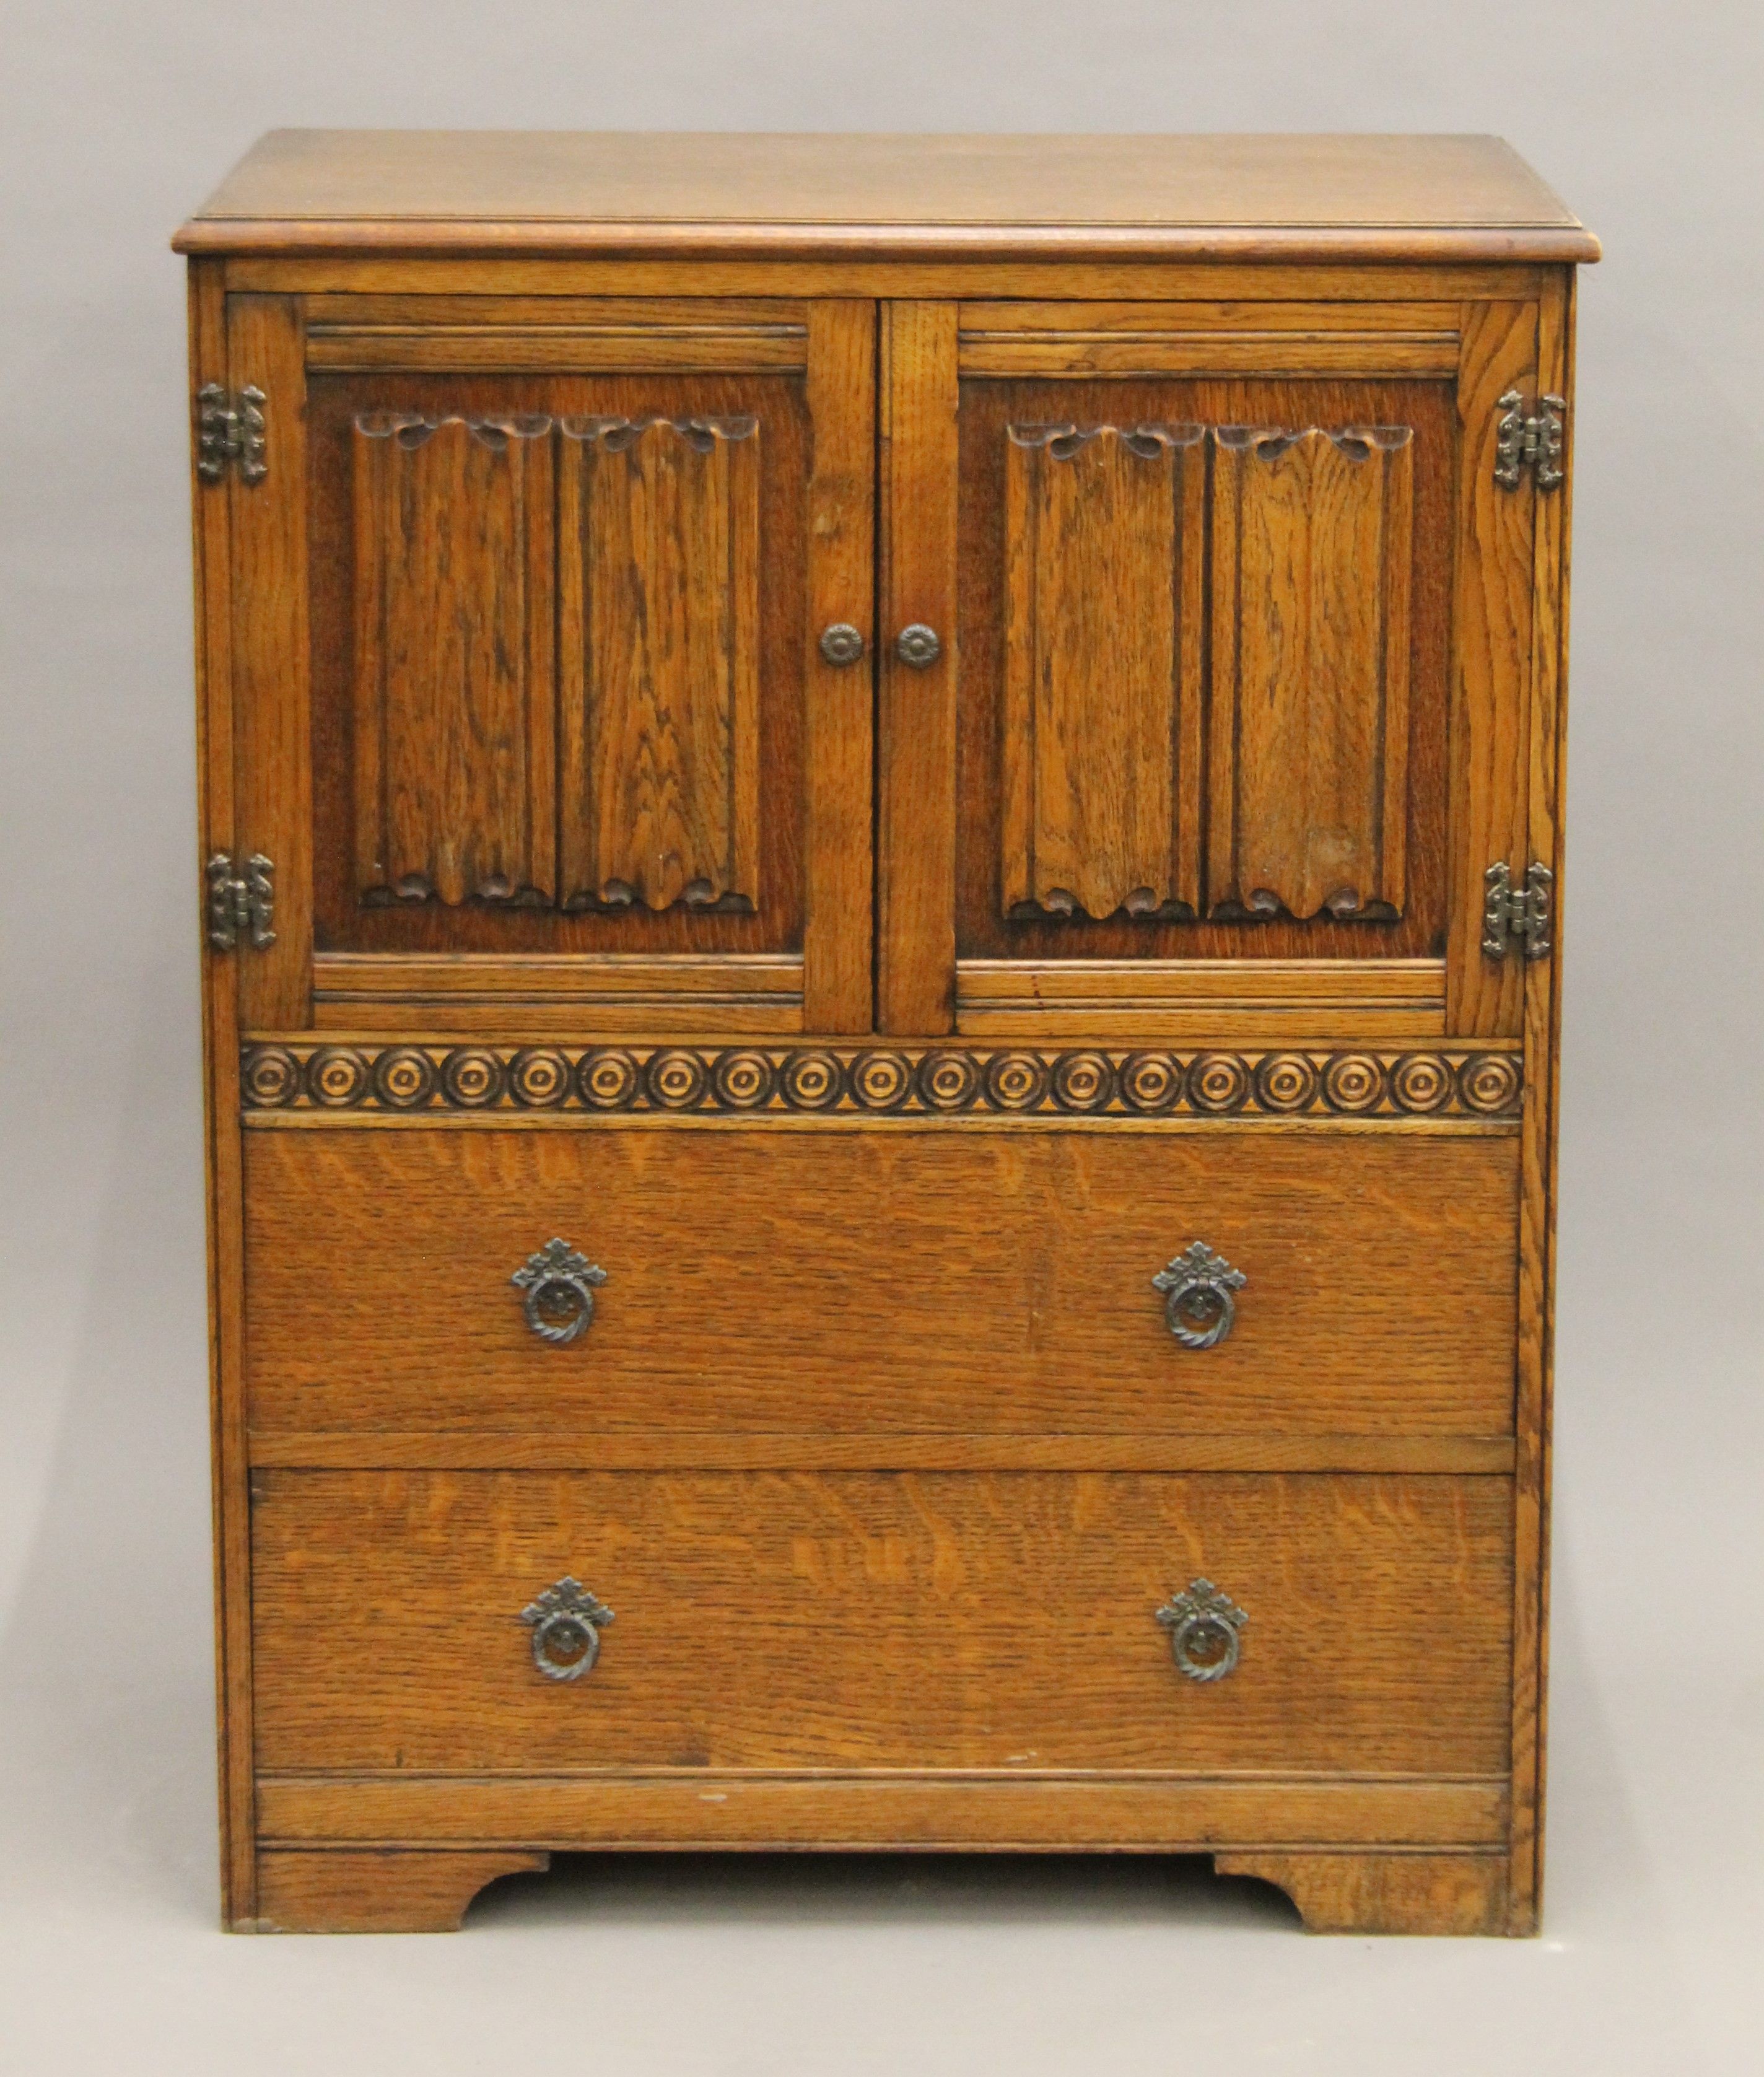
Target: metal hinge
1516, 915
240, 902
1527, 440
229, 430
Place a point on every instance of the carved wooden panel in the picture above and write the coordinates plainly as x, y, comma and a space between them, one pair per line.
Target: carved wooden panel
454, 690
658, 613
1312, 550
1101, 742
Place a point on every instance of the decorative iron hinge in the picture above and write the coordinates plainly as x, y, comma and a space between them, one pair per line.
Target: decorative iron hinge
241, 902
228, 430
1516, 915
1531, 441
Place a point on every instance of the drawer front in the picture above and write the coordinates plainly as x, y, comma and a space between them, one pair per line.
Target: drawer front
895, 1281
874, 1620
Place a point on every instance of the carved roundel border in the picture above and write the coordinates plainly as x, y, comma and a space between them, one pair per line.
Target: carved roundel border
882, 1082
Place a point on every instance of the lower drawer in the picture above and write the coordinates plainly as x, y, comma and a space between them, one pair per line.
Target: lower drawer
858, 1621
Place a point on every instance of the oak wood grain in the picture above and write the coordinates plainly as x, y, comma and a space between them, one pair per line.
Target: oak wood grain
892, 1281
1312, 562
268, 650
658, 606
455, 721
1105, 534
1359, 285
1029, 1807
921, 1620
1374, 1893
439, 190
216, 771
1492, 649
1346, 766
839, 938
916, 707
379, 1891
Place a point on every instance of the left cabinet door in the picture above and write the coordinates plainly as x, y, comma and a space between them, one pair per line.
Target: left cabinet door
531, 712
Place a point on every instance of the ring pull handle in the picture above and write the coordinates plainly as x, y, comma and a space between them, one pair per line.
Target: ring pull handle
1203, 1626
566, 1621
842, 643
1198, 1306
918, 645
560, 1287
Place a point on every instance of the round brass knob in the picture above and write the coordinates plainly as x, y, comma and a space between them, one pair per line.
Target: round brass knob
842, 643
918, 645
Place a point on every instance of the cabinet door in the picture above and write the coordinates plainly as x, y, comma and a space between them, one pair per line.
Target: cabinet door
1238, 636
531, 714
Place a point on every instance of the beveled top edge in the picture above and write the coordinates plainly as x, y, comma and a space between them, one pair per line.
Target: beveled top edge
657, 191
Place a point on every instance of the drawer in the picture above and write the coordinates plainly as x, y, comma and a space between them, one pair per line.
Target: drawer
861, 1620
893, 1280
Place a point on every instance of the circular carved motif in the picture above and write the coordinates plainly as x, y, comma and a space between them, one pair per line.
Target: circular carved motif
1218, 1082
404, 1077
539, 1076
1422, 1082
1353, 1081
676, 1080
948, 1081
1016, 1081
1490, 1081
814, 1081
881, 1081
1084, 1081
471, 1077
742, 1079
272, 1077
338, 1077
608, 1078
1151, 1081
1286, 1082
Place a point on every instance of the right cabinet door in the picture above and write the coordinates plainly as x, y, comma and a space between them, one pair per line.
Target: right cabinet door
1244, 637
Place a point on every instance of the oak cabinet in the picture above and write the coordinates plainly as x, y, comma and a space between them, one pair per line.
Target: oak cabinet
881, 851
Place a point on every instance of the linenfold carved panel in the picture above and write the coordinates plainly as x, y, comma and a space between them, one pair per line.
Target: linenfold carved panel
657, 617
454, 690
1312, 556
1101, 738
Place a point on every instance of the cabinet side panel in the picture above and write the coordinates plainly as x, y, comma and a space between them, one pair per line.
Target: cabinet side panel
212, 551
1537, 1197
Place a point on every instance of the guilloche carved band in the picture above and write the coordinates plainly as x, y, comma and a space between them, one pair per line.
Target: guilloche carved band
882, 1081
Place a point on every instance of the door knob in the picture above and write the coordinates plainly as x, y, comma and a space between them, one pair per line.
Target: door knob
842, 643
918, 645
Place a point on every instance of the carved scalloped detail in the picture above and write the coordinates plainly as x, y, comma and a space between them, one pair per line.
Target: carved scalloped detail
890, 1082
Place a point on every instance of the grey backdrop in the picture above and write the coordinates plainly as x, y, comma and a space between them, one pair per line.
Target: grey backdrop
116, 119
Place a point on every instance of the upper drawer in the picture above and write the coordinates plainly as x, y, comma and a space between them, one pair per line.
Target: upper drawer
902, 1280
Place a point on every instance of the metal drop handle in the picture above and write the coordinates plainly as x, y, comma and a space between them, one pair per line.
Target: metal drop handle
1198, 1306
842, 643
560, 1287
918, 645
566, 1621
1204, 1625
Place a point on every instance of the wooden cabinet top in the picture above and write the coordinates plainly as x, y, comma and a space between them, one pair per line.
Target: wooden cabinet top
612, 193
